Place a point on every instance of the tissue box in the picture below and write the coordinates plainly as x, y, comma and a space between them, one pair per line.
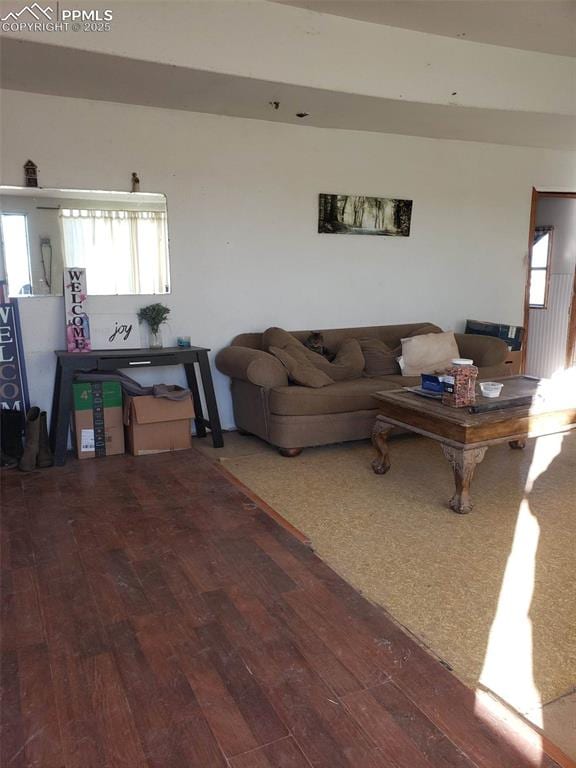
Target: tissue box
432, 383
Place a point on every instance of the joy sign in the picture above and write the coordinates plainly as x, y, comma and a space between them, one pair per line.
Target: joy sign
115, 331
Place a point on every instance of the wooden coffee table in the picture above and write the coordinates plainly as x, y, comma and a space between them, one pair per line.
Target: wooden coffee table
465, 436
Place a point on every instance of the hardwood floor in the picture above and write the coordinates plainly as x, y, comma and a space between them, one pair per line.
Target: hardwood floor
153, 615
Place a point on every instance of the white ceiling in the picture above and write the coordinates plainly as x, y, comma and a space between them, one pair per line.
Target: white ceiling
55, 70
548, 26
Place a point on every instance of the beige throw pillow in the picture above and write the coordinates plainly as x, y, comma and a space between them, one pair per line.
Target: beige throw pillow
300, 369
379, 358
428, 353
348, 363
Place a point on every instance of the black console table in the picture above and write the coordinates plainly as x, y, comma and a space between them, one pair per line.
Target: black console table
112, 359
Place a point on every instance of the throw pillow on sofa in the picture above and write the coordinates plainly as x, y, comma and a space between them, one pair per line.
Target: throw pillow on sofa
300, 369
348, 363
379, 358
424, 329
428, 353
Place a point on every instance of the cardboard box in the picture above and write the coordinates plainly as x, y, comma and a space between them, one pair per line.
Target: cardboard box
98, 423
156, 424
512, 363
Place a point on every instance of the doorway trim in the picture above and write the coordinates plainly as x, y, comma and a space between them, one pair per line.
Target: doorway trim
571, 341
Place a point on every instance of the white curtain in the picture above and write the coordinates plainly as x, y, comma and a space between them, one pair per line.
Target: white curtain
122, 251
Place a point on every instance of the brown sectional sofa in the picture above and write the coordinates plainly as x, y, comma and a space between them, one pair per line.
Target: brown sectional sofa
292, 417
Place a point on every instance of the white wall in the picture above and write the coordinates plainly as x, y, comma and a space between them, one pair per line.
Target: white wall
242, 212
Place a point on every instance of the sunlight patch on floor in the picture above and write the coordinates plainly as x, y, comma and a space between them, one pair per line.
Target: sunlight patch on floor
508, 663
559, 388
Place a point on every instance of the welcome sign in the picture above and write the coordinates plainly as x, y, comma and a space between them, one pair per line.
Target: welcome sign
13, 386
77, 323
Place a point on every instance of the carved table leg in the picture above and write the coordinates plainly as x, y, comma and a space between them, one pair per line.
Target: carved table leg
380, 433
463, 464
517, 445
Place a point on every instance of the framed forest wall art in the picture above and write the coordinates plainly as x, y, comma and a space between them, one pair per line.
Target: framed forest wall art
360, 215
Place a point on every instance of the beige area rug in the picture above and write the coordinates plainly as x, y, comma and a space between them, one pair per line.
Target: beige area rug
492, 593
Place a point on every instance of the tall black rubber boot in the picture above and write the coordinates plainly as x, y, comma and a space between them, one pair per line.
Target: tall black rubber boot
11, 430
31, 440
45, 458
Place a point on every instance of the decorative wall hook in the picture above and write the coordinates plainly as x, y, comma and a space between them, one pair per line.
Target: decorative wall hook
135, 182
30, 174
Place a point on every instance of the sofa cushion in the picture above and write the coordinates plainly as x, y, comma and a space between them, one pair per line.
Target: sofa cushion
428, 353
348, 363
333, 337
350, 359
424, 330
340, 397
278, 337
253, 365
379, 358
300, 369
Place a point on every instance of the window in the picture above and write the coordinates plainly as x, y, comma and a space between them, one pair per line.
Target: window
14, 233
540, 267
123, 251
